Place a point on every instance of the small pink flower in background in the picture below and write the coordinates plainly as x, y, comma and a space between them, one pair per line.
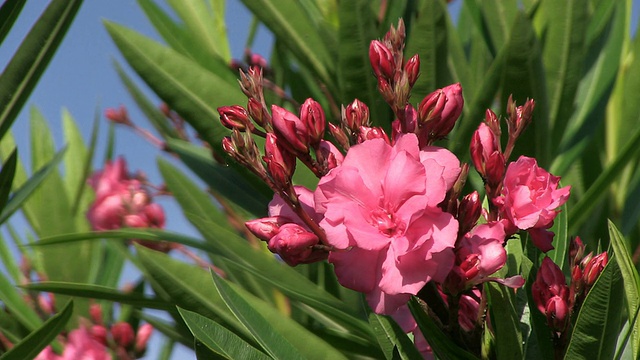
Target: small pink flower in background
80, 345
382, 218
123, 201
531, 198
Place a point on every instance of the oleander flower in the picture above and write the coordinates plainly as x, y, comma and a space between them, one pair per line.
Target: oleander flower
531, 198
481, 252
381, 216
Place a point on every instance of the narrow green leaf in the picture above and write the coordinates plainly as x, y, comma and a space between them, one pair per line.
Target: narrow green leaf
9, 12
218, 338
429, 40
392, 339
505, 322
14, 302
99, 293
599, 319
499, 16
32, 57
22, 194
223, 180
8, 261
272, 342
154, 115
291, 25
631, 281
6, 177
357, 29
37, 340
442, 345
561, 238
186, 87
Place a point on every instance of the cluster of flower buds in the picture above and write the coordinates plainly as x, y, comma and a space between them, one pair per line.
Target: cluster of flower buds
97, 341
251, 59
554, 297
124, 201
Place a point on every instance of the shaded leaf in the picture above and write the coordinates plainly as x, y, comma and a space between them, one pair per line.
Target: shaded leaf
392, 339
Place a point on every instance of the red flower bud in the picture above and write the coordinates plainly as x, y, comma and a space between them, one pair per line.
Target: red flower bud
413, 69
264, 228
290, 129
576, 250
381, 60
469, 211
557, 312
118, 116
235, 117
439, 110
385, 89
355, 115
549, 282
312, 116
122, 334
280, 163
368, 133
99, 333
256, 111
593, 269
142, 338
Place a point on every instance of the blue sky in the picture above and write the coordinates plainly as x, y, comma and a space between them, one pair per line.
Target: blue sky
81, 78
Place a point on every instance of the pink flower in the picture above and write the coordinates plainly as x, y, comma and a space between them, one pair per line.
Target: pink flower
290, 129
80, 345
294, 244
382, 218
531, 197
480, 252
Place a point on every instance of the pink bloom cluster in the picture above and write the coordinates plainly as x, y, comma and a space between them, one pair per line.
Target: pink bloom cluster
123, 201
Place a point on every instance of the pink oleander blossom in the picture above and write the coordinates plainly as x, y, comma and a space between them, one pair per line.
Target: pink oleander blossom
481, 252
381, 217
80, 345
531, 197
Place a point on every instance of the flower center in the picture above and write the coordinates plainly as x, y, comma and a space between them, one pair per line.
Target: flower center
386, 222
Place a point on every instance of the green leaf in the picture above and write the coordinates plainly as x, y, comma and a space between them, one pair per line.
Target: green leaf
429, 40
153, 114
186, 87
599, 320
505, 322
561, 238
291, 25
37, 340
223, 180
219, 339
9, 12
631, 281
357, 29
442, 345
392, 339
6, 177
22, 194
280, 337
32, 57
99, 293
499, 16
14, 302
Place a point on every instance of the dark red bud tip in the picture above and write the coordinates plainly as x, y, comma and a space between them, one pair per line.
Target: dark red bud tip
234, 117
355, 115
412, 69
118, 116
122, 334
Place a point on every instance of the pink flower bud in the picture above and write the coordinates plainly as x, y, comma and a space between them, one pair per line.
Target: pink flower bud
593, 269
381, 60
294, 244
439, 110
519, 116
280, 163
118, 116
122, 334
549, 282
235, 117
142, 338
369, 133
355, 115
258, 60
229, 147
431, 107
340, 136
264, 228
95, 311
290, 129
312, 116
155, 215
333, 157
256, 111
486, 154
557, 312
413, 69
99, 333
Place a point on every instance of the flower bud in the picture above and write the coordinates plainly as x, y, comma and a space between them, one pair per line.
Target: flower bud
142, 338
519, 116
264, 228
486, 155
355, 115
368, 133
331, 155
118, 116
469, 211
549, 282
557, 312
381, 60
280, 163
290, 129
235, 117
385, 89
294, 244
122, 334
412, 69
439, 110
341, 138
312, 116
256, 111
593, 269
95, 311
576, 250
99, 333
